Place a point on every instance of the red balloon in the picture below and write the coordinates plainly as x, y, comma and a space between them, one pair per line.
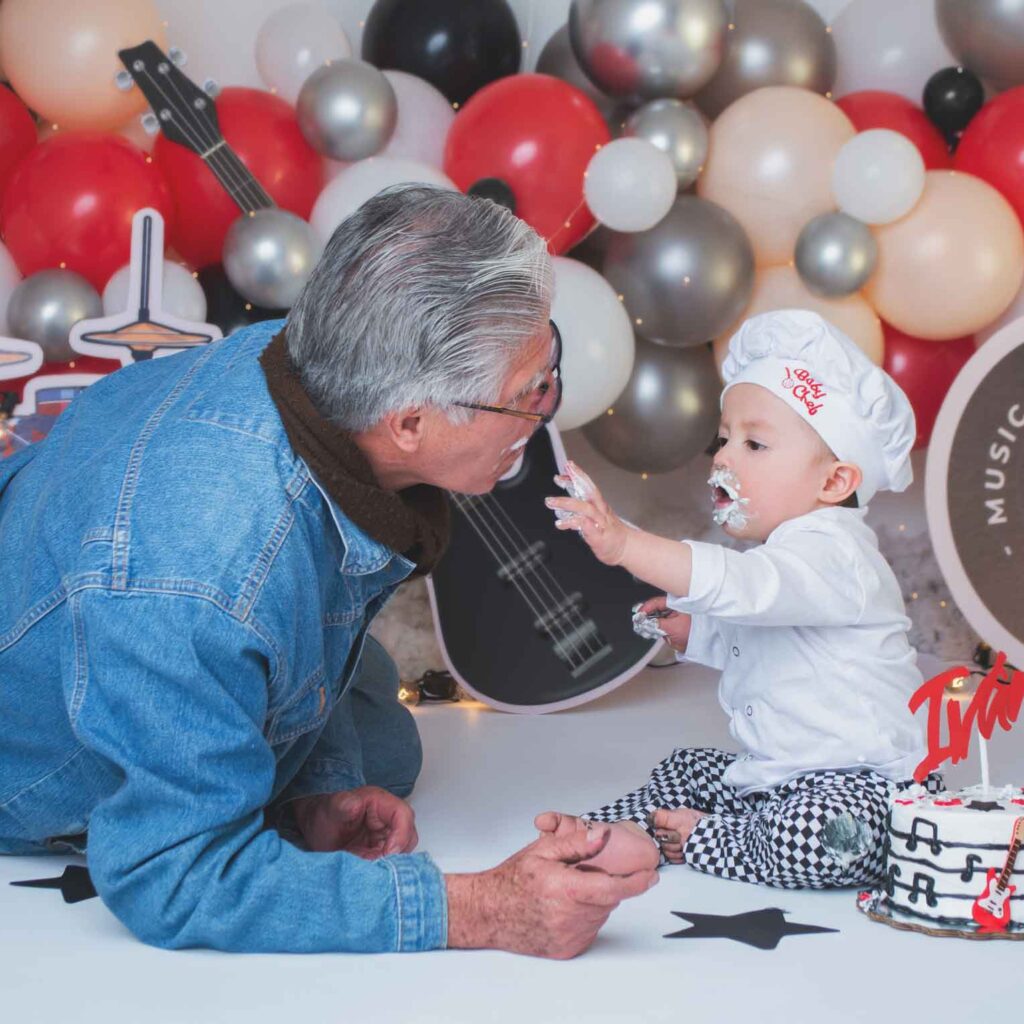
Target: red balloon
537, 134
873, 108
992, 146
17, 134
262, 130
71, 201
925, 370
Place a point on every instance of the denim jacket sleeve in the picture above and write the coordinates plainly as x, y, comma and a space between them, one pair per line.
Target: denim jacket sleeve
172, 690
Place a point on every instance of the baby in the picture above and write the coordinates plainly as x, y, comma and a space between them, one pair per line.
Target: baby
807, 627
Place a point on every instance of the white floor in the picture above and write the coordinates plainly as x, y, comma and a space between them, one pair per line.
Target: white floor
486, 775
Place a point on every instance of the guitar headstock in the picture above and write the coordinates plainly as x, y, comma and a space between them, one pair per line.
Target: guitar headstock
185, 112
1018, 832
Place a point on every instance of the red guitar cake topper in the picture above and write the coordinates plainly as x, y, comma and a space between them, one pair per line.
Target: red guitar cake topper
997, 700
991, 909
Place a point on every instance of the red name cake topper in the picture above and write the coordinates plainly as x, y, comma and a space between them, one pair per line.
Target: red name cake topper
997, 701
805, 389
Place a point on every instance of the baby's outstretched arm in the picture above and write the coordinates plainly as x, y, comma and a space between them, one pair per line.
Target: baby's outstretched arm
663, 563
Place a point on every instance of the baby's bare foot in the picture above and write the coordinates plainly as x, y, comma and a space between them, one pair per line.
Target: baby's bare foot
672, 827
629, 847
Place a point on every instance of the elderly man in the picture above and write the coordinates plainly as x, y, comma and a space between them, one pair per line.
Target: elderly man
190, 562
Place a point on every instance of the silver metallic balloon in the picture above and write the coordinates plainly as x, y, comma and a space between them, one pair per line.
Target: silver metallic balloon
46, 305
987, 37
836, 254
678, 129
646, 49
268, 257
773, 42
347, 110
687, 278
667, 414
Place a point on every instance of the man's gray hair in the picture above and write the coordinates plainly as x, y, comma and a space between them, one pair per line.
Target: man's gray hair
423, 296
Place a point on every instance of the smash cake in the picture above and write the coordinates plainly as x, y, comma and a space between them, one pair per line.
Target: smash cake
953, 860
953, 863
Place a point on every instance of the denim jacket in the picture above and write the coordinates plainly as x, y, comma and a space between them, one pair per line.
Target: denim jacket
181, 607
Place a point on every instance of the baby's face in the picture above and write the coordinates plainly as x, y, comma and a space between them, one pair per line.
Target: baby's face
779, 463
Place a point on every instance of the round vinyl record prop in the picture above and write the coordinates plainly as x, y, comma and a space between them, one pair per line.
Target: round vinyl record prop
974, 490
527, 619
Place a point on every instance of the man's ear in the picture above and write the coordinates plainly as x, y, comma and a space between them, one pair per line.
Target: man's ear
843, 480
405, 429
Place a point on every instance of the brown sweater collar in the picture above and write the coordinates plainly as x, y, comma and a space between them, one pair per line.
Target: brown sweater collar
415, 522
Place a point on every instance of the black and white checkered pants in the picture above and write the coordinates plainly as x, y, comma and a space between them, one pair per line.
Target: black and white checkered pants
819, 831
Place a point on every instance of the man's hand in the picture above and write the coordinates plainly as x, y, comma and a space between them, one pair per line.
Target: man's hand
538, 902
675, 625
369, 822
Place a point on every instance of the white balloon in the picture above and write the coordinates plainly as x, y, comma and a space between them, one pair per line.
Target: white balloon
218, 39
293, 42
182, 295
424, 117
598, 346
878, 176
10, 277
893, 45
630, 184
538, 21
363, 179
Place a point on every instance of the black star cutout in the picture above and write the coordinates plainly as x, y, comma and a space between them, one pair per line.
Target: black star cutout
75, 884
984, 805
760, 928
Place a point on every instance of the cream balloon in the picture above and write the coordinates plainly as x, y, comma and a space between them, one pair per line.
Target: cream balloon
598, 346
878, 176
61, 56
782, 288
363, 179
1015, 311
181, 294
293, 42
630, 184
953, 264
770, 163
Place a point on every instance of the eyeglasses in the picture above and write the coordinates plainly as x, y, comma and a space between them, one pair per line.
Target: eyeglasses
544, 399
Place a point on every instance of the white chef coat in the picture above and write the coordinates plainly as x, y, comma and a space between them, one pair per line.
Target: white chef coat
809, 631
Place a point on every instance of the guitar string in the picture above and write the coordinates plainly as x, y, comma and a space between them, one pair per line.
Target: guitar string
202, 146
217, 146
584, 646
497, 551
479, 525
491, 504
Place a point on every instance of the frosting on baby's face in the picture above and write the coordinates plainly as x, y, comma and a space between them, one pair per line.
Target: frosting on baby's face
770, 465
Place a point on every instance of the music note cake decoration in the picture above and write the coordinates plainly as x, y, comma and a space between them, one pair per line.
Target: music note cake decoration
144, 330
951, 858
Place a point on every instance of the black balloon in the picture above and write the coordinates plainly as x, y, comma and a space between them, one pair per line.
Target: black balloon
458, 47
226, 308
951, 98
496, 190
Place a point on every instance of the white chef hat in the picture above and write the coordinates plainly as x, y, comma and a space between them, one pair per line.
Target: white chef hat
859, 411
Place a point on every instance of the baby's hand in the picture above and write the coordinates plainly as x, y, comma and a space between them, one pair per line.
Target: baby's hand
674, 625
599, 526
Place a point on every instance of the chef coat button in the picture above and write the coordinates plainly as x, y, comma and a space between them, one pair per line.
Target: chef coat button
749, 711
735, 652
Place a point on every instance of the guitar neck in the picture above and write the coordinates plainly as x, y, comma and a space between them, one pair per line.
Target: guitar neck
235, 178
1011, 857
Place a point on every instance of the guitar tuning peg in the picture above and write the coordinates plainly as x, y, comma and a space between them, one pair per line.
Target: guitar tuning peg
150, 123
124, 81
211, 88
177, 56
